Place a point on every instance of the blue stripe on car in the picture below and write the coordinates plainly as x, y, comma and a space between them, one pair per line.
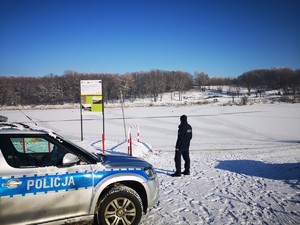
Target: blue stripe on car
58, 182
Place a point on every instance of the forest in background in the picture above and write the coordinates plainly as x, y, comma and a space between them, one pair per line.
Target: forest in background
54, 89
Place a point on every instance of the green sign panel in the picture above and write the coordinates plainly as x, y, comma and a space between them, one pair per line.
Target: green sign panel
91, 95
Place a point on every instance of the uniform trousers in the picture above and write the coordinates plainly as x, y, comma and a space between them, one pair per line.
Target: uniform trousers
186, 156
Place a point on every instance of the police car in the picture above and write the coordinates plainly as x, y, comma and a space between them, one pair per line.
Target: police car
46, 179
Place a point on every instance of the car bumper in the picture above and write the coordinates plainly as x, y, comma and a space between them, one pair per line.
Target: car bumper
153, 191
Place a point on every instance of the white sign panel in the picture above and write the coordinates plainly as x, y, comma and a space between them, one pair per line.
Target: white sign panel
91, 87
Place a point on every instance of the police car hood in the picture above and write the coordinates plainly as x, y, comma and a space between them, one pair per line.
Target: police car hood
123, 161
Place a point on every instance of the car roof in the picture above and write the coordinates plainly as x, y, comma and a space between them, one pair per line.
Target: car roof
21, 128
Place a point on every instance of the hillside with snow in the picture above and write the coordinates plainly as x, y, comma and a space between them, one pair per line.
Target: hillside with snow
245, 159
213, 95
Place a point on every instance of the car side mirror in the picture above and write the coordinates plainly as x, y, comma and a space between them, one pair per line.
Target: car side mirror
70, 160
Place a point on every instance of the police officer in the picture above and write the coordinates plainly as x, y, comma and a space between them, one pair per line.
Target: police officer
182, 147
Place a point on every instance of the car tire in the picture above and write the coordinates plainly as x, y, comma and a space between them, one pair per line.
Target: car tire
120, 205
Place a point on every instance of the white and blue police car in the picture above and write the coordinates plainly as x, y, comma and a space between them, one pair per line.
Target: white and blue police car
46, 179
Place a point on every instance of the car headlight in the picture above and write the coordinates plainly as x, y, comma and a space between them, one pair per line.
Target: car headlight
150, 173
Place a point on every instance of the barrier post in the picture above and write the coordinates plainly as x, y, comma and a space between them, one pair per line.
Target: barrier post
103, 144
130, 143
129, 139
138, 135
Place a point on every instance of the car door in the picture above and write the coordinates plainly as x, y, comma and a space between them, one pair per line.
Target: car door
35, 187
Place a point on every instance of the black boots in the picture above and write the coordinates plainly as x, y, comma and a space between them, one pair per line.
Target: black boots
176, 174
186, 172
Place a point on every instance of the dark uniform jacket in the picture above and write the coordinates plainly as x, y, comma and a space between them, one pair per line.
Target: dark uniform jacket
184, 136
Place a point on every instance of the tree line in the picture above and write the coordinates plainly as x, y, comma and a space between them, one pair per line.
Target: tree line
54, 89
257, 81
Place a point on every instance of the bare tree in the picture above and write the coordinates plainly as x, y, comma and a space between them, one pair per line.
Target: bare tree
201, 79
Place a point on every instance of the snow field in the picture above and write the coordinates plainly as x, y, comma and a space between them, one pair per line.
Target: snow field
225, 187
245, 160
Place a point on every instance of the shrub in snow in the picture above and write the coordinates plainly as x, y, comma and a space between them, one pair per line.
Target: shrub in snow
244, 100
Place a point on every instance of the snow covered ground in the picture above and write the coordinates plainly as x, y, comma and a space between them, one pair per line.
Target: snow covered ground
245, 160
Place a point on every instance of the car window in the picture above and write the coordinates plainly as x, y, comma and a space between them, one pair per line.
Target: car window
32, 145
27, 152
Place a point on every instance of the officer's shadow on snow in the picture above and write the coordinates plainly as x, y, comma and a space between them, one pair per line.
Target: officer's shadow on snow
287, 172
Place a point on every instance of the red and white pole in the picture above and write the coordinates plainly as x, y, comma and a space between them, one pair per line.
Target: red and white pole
103, 144
130, 143
129, 140
138, 134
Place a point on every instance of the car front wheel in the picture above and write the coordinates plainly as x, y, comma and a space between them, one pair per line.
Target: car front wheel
120, 206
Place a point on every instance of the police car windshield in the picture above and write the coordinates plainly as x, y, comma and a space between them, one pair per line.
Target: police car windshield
95, 156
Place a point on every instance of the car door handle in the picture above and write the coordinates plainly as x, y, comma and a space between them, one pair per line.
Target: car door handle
14, 183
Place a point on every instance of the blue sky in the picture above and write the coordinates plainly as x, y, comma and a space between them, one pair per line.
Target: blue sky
218, 37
